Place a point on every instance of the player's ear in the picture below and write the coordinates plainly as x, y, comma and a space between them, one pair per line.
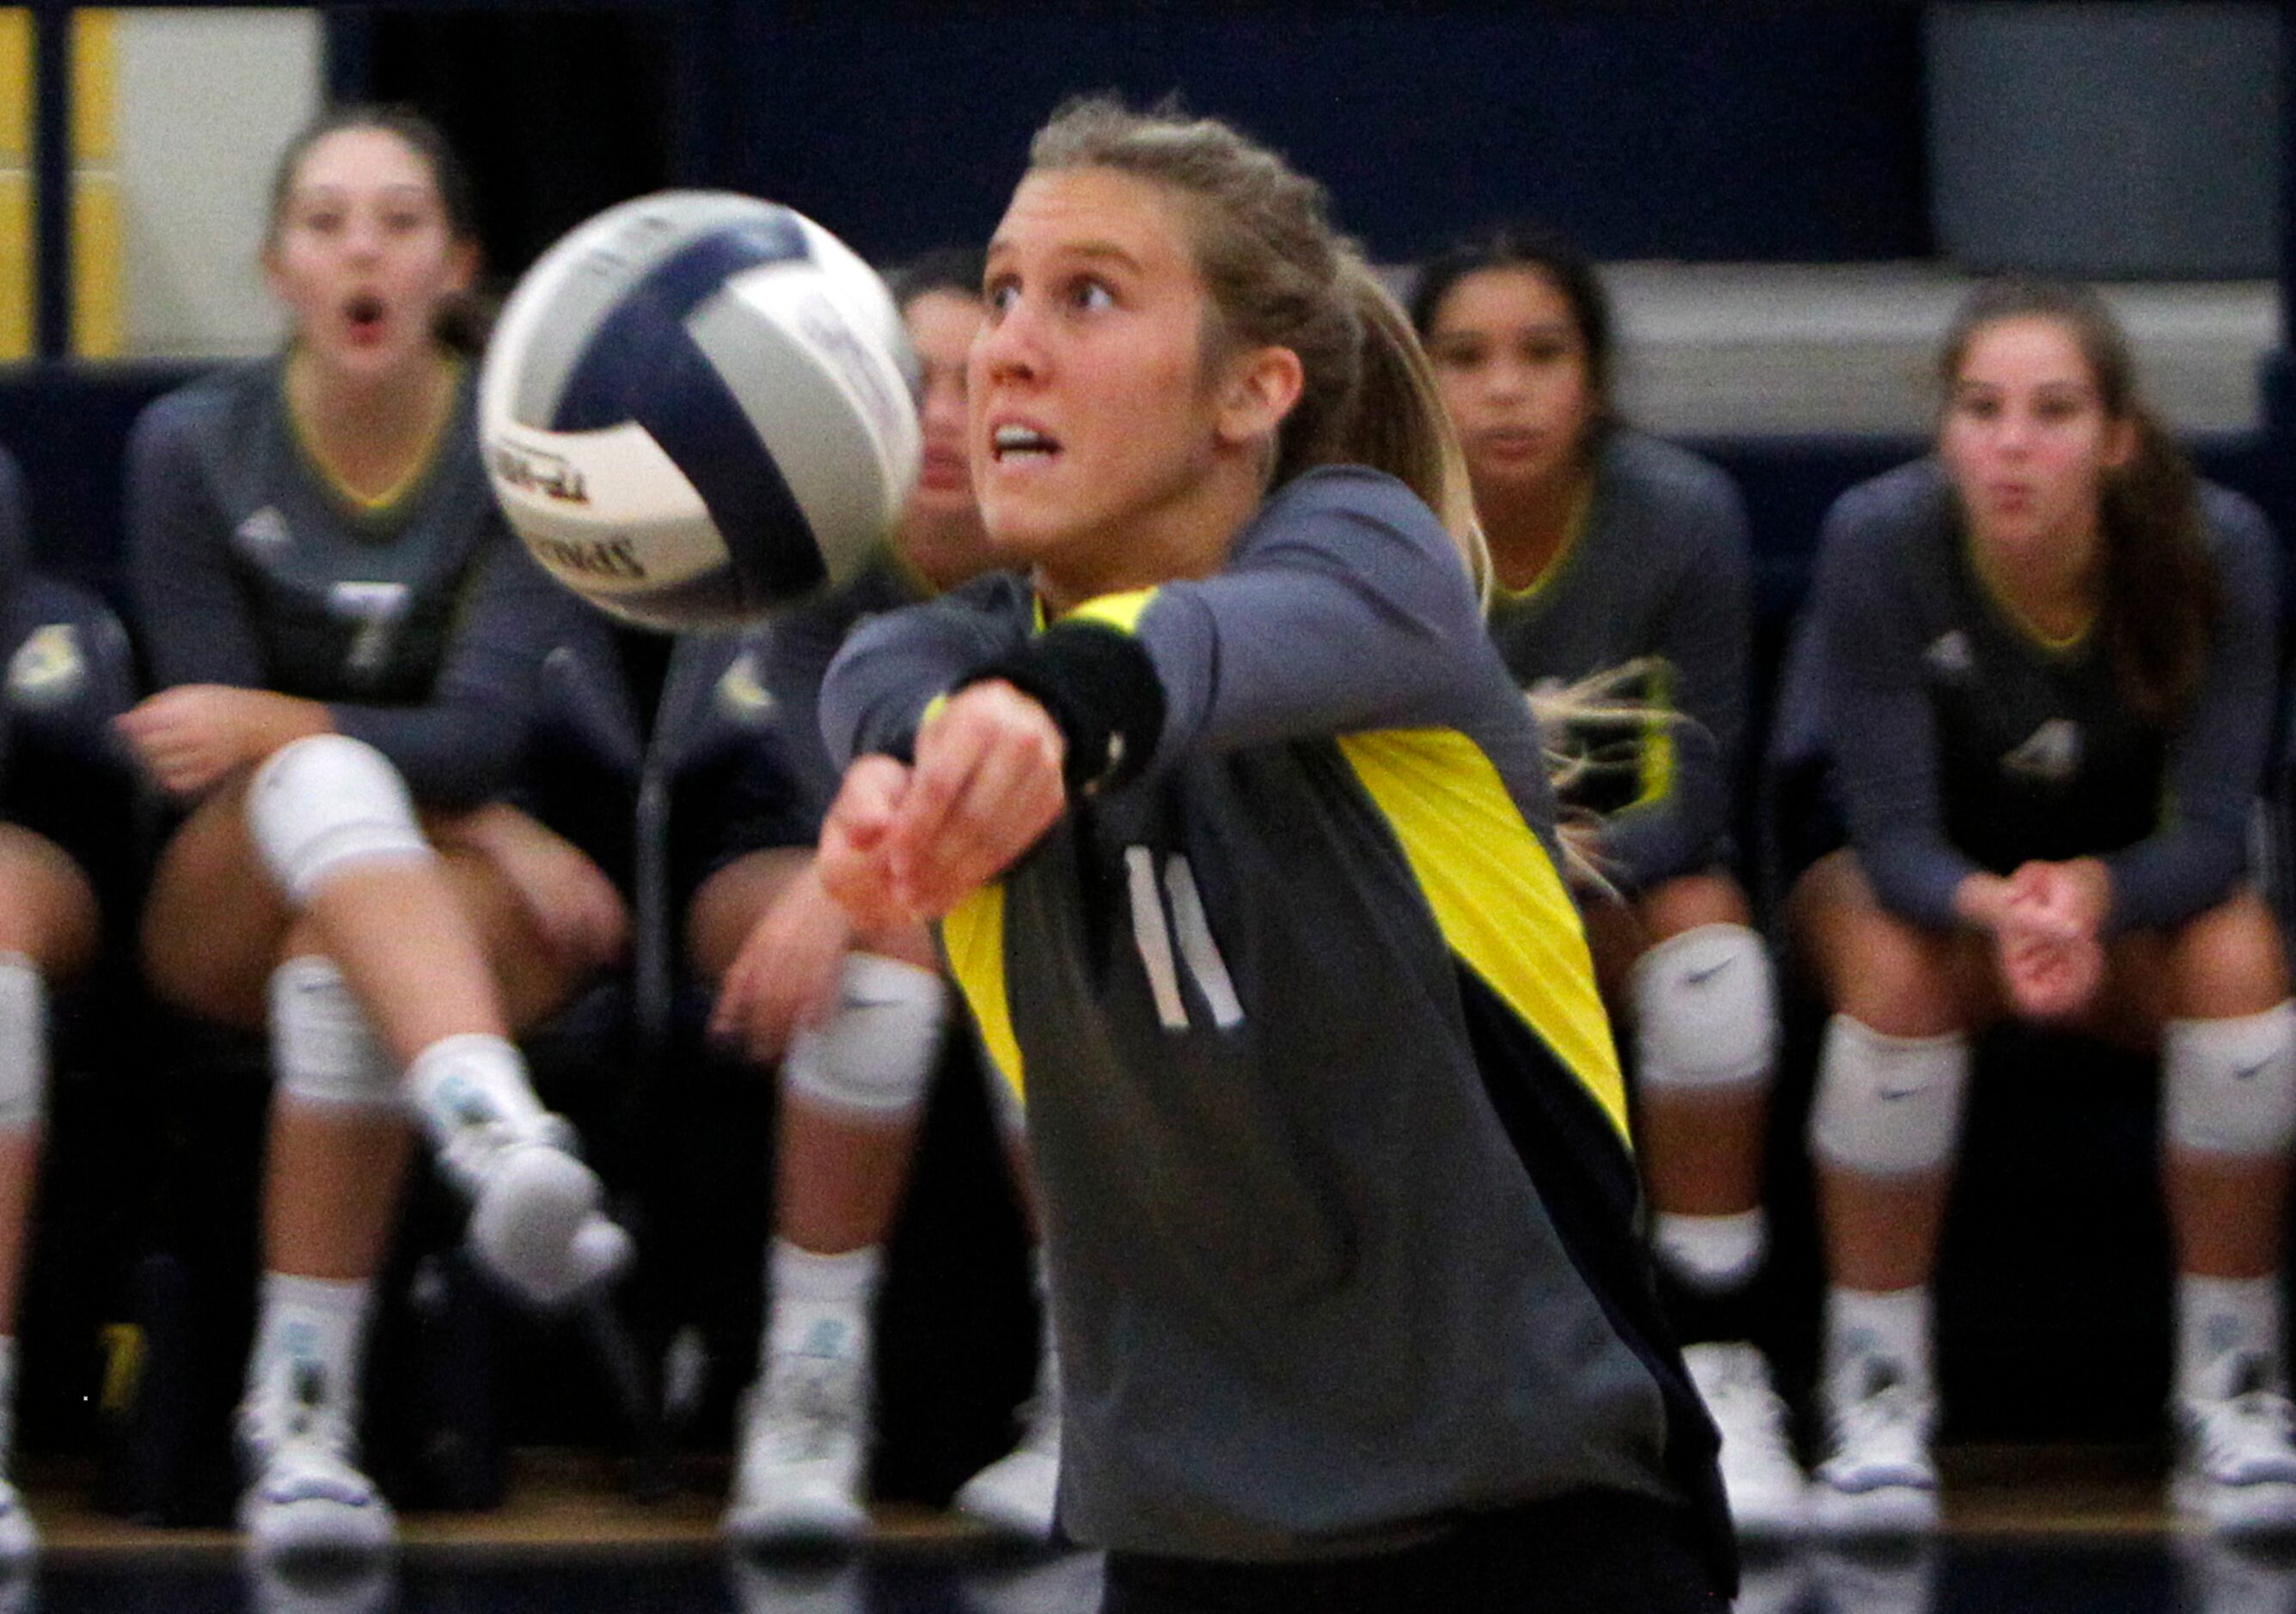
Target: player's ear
1260, 389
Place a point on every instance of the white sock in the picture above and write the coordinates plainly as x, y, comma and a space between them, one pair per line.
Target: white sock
465, 1081
310, 1343
2227, 1335
1712, 1255
1883, 1326
821, 1306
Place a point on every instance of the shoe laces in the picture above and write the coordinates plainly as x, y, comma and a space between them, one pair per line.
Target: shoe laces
1885, 1420
810, 1407
295, 1413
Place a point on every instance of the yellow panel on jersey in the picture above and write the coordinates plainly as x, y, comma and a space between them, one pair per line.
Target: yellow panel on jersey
1118, 611
1494, 892
972, 935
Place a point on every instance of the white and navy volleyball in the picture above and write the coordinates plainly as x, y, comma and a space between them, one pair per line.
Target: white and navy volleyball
698, 405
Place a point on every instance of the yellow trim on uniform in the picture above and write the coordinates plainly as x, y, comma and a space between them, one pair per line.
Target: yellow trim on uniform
1118, 611
99, 228
1658, 750
1494, 892
16, 256
413, 478
972, 936
1997, 592
1582, 512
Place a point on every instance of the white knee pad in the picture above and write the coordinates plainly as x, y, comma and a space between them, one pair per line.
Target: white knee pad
2228, 1086
324, 803
875, 1056
324, 1050
1705, 1009
23, 1043
1887, 1106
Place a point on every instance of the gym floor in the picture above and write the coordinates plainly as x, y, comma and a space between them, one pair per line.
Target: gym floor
2029, 1531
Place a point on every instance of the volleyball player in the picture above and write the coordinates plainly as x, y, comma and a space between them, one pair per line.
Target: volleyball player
2050, 665
346, 641
1238, 832
1620, 571
48, 930
853, 1018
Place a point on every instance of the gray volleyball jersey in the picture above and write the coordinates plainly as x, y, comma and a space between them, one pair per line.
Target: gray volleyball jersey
1963, 742
1658, 573
420, 623
1323, 1108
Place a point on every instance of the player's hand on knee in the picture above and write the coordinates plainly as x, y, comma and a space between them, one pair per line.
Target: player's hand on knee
188, 738
986, 787
854, 862
788, 971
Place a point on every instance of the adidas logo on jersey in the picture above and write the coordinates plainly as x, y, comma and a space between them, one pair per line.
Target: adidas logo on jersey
49, 668
741, 695
266, 529
2052, 752
1948, 654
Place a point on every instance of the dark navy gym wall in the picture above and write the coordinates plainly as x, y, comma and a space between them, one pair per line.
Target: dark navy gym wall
1732, 132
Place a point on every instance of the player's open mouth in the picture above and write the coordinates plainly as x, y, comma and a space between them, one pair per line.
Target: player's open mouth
1021, 445
364, 312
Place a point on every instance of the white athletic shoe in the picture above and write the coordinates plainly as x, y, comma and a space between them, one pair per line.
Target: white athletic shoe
1015, 1494
805, 1436
306, 1498
19, 1538
1880, 1480
1768, 1496
2236, 1462
2225, 1575
535, 1222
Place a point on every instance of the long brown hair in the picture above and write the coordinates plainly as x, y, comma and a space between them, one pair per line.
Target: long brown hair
1278, 273
2158, 595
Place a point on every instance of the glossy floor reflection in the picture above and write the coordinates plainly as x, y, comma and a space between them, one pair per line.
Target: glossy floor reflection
1979, 1575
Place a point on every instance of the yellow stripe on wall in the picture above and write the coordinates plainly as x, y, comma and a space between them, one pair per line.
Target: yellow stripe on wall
16, 261
1494, 892
15, 86
98, 224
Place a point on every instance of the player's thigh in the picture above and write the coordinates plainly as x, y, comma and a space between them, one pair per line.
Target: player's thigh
213, 922
1897, 977
47, 905
535, 981
727, 906
2225, 961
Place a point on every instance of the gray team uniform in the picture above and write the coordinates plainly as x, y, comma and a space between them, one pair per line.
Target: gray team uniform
1963, 742
422, 625
1323, 1108
1658, 571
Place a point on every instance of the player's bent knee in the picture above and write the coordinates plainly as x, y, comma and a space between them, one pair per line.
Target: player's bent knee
23, 1043
325, 803
322, 1047
2228, 1086
1887, 1106
876, 1054
1705, 1009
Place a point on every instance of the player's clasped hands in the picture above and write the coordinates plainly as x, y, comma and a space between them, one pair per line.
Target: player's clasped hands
904, 843
2048, 937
